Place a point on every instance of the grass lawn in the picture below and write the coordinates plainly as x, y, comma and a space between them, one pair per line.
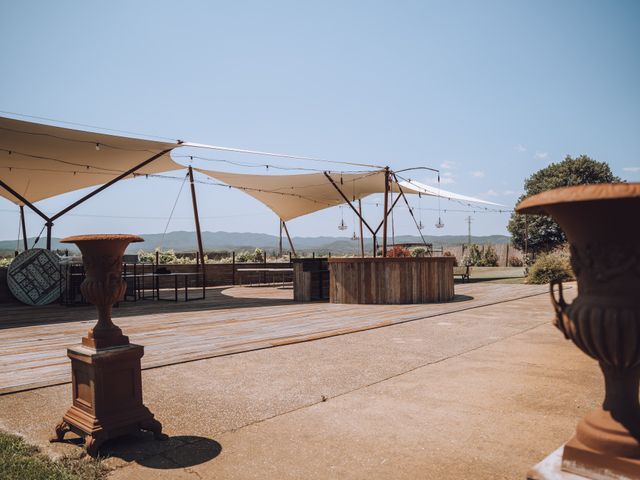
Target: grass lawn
496, 275
18, 460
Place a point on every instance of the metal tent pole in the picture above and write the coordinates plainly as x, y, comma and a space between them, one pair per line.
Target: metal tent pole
344, 197
361, 236
280, 241
386, 205
108, 184
24, 229
286, 230
197, 220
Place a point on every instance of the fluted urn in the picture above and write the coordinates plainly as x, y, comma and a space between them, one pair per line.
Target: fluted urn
106, 369
103, 284
602, 225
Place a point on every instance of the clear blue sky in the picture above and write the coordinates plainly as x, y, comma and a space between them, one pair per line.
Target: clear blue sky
487, 91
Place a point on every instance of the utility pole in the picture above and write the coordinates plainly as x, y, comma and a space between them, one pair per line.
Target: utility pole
469, 219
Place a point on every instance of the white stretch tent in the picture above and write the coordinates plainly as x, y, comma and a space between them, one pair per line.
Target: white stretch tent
291, 196
40, 161
411, 186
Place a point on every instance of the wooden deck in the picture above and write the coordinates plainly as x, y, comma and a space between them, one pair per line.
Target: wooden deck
33, 341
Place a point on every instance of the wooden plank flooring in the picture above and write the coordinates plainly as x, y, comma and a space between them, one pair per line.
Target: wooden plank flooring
33, 341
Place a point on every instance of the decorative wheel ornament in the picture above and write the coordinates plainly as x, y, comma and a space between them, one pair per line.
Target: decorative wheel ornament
34, 277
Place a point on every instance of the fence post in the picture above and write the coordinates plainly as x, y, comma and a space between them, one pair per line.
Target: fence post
233, 268
506, 262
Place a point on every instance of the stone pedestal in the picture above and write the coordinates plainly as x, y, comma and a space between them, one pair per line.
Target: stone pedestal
107, 396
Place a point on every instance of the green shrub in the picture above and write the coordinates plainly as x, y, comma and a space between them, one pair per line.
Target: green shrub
477, 256
419, 252
5, 262
550, 267
490, 257
473, 257
516, 262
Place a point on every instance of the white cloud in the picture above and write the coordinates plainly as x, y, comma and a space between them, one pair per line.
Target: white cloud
445, 178
541, 155
492, 193
510, 192
521, 148
477, 174
448, 165
631, 169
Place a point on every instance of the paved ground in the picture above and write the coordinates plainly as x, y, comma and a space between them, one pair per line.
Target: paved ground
483, 393
33, 348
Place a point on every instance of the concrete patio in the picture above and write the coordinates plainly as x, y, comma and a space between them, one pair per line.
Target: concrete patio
484, 392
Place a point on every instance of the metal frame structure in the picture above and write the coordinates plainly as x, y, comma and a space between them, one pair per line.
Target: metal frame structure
50, 220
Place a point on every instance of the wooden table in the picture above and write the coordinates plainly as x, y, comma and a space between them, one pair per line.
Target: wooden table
264, 271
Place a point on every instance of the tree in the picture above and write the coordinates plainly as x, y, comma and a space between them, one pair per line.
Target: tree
544, 233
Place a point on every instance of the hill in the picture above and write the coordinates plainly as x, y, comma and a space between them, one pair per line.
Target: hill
182, 241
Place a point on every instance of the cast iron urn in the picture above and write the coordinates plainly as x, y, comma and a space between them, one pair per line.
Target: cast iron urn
106, 370
602, 225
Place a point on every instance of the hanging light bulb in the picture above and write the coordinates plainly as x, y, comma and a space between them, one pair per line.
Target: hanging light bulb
342, 225
439, 224
354, 236
420, 225
97, 147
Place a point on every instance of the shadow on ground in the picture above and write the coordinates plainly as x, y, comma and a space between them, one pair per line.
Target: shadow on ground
179, 451
20, 315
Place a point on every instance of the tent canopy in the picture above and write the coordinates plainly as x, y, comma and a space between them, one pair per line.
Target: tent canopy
411, 186
291, 196
40, 161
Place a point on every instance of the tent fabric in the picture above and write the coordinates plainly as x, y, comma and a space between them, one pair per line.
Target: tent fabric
412, 186
292, 196
40, 161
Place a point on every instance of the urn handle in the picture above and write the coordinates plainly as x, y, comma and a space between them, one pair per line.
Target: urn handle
559, 306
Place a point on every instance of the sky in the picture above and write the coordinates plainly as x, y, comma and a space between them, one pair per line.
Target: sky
486, 92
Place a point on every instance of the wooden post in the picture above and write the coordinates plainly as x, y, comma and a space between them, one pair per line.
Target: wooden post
526, 235
233, 267
506, 262
24, 229
197, 219
286, 230
386, 205
361, 236
280, 242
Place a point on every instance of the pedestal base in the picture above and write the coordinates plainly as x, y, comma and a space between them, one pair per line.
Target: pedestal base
107, 396
551, 469
565, 464
580, 459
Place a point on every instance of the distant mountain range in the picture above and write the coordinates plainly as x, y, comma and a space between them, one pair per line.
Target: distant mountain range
219, 241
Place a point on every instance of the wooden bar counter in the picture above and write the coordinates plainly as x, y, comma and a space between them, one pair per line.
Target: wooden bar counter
391, 280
